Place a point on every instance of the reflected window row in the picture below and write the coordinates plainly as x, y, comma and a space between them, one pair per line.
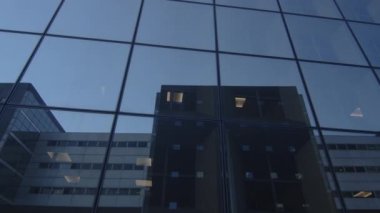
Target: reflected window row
83, 191
357, 169
374, 147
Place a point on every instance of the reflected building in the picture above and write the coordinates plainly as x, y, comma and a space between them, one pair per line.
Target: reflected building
272, 156
44, 166
275, 163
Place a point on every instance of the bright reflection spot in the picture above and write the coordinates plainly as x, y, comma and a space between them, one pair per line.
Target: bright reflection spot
357, 113
72, 179
144, 161
363, 194
144, 183
239, 102
59, 156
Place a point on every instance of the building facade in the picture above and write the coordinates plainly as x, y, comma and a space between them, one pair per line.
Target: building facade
190, 106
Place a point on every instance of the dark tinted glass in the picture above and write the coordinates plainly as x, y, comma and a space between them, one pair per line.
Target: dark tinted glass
14, 52
169, 174
278, 173
75, 73
41, 178
171, 82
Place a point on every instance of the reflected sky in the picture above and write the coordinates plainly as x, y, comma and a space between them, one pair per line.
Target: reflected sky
26, 15
177, 24
84, 122
80, 74
14, 52
344, 97
257, 4
325, 40
369, 38
311, 7
363, 10
131, 124
254, 32
164, 67
111, 19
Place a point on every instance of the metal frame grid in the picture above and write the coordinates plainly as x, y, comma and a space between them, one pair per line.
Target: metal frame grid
117, 112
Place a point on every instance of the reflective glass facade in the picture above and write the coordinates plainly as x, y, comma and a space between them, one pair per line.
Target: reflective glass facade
190, 106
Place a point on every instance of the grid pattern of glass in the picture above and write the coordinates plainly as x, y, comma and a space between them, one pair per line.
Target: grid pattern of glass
196, 106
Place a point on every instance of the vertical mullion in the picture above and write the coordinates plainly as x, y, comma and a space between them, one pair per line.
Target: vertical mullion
328, 157
118, 106
32, 55
223, 147
357, 41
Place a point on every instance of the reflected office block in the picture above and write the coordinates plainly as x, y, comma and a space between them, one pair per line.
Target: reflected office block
173, 167
275, 169
355, 159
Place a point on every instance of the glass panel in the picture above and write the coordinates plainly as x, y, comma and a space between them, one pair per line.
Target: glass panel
325, 40
26, 15
171, 82
344, 97
173, 167
177, 24
112, 19
263, 89
356, 164
200, 1
369, 38
257, 4
311, 7
253, 32
276, 169
363, 10
76, 73
42, 168
14, 52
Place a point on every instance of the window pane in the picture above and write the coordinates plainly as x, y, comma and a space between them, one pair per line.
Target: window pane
356, 170
325, 40
311, 7
175, 175
45, 178
14, 52
26, 15
344, 97
363, 10
112, 19
171, 82
76, 73
257, 4
276, 169
267, 89
369, 38
177, 24
254, 32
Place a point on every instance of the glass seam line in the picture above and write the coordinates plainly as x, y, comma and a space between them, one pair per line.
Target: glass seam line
118, 106
329, 160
